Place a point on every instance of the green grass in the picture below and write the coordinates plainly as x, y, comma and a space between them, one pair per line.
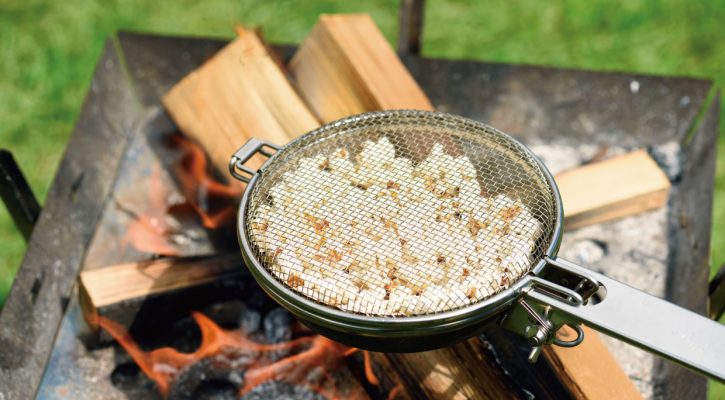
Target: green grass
49, 49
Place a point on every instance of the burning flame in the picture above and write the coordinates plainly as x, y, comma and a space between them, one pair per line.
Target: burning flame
149, 235
310, 364
212, 201
151, 230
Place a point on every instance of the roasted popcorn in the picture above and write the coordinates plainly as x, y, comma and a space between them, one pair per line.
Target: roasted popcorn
376, 234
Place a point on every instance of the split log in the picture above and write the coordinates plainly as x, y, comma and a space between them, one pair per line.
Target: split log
460, 371
611, 189
587, 370
241, 92
104, 290
345, 66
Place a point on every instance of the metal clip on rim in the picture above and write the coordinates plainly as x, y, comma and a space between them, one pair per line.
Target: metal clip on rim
536, 319
241, 156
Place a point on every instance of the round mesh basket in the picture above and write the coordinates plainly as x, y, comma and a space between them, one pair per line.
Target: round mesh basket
400, 213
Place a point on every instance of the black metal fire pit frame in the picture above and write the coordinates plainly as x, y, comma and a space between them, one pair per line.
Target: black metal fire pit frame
528, 102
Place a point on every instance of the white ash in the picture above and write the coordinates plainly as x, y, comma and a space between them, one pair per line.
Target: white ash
632, 250
561, 157
381, 236
669, 157
636, 250
587, 251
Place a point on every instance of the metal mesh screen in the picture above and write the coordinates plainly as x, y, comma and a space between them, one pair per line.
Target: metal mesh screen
400, 213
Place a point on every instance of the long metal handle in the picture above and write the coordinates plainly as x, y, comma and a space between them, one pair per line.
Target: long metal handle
646, 322
241, 156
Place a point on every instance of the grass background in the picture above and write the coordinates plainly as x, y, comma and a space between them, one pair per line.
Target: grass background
49, 49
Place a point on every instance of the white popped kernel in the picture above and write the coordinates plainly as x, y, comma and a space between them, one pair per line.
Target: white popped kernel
375, 154
340, 164
465, 168
372, 233
470, 194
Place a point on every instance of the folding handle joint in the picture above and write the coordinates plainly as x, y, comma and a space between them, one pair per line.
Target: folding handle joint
253, 146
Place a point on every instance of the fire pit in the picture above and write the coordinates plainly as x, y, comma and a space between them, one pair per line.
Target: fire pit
128, 187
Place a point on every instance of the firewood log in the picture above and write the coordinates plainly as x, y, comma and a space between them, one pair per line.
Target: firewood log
240, 93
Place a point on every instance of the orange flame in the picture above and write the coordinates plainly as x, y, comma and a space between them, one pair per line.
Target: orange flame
212, 200
146, 234
313, 357
150, 231
397, 390
369, 373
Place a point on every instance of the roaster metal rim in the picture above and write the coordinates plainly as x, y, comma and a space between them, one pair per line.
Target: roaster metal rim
393, 326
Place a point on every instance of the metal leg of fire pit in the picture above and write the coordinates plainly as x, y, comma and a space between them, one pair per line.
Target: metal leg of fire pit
15, 192
411, 26
717, 294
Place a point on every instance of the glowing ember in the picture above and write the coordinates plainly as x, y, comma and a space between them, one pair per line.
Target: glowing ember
314, 362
